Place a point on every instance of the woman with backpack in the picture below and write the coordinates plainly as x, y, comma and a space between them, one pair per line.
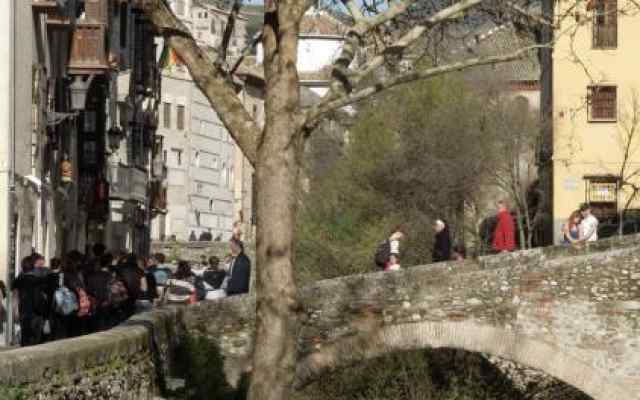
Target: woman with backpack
387, 255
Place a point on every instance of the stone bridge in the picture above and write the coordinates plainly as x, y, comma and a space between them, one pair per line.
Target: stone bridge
572, 313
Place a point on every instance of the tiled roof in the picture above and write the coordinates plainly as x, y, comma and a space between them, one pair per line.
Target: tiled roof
321, 23
496, 40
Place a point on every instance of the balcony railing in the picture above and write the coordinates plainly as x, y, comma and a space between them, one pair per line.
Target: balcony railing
88, 49
130, 184
55, 15
97, 11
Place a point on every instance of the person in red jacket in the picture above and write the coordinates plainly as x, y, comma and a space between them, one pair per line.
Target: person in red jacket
504, 235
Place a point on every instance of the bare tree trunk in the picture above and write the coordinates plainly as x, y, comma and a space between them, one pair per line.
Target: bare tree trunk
277, 174
523, 241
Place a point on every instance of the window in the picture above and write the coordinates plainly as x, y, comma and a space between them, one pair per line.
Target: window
180, 9
180, 118
199, 187
213, 26
214, 162
196, 159
210, 204
164, 156
605, 23
602, 103
124, 24
255, 111
177, 156
206, 15
602, 194
166, 113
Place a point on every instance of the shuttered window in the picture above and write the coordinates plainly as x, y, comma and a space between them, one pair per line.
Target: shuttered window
605, 24
602, 103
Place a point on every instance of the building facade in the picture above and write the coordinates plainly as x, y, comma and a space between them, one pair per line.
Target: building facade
83, 114
206, 168
595, 96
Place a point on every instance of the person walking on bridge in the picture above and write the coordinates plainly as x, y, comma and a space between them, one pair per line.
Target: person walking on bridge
504, 238
442, 243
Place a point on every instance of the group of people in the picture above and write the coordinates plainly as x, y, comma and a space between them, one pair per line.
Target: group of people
89, 293
582, 227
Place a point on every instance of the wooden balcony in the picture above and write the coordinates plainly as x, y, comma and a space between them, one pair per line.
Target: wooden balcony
88, 49
55, 16
97, 11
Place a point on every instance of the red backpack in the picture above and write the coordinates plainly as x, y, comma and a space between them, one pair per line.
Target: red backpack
84, 303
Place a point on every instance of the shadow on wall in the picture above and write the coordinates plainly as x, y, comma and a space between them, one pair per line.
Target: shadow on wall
200, 364
443, 374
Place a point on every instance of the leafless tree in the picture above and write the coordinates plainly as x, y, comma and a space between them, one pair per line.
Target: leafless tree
516, 130
629, 141
277, 150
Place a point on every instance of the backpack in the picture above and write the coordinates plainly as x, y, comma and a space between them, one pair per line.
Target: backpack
64, 300
161, 275
383, 253
84, 303
118, 293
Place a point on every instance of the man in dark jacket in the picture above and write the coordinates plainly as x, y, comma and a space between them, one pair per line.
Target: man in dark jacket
442, 242
31, 291
239, 270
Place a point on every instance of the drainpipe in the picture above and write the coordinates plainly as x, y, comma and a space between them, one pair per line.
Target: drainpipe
11, 225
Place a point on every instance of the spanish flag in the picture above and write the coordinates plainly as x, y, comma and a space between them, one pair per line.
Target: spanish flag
169, 58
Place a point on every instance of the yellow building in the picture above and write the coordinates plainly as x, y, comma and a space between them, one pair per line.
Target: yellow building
596, 77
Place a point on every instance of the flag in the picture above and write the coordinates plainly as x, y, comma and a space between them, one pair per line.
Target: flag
169, 58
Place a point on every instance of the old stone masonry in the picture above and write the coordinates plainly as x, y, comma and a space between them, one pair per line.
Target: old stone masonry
573, 314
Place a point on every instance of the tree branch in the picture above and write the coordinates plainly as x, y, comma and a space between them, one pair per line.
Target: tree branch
317, 111
228, 31
213, 81
343, 79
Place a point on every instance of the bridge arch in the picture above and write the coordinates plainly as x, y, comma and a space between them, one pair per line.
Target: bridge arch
465, 335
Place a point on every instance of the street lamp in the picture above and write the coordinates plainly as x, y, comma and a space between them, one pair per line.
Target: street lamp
79, 89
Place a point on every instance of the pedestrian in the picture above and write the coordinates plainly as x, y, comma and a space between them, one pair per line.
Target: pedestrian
387, 256
185, 287
239, 270
571, 230
459, 253
442, 243
99, 288
78, 322
30, 290
214, 276
206, 236
149, 292
131, 276
588, 225
504, 234
160, 271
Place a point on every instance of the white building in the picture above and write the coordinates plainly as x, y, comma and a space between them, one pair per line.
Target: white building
204, 193
320, 42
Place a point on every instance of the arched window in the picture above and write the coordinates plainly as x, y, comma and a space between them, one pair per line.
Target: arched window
213, 26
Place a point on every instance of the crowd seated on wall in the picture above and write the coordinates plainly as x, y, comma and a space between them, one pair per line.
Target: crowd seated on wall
86, 293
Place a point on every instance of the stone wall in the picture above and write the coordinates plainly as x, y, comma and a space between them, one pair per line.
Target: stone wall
572, 313
193, 251
126, 363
